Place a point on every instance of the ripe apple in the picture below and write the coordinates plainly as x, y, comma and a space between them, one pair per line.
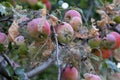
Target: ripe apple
117, 36
39, 28
70, 73
3, 37
108, 41
106, 53
94, 42
89, 76
76, 23
64, 32
70, 14
48, 5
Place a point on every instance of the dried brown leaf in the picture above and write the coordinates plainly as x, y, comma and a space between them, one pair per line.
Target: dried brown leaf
102, 22
54, 20
101, 12
43, 12
93, 32
110, 7
13, 31
47, 53
80, 35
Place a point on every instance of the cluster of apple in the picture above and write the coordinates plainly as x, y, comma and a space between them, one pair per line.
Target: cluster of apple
65, 30
39, 28
39, 3
107, 44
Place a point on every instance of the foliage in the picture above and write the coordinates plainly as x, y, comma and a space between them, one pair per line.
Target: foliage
37, 59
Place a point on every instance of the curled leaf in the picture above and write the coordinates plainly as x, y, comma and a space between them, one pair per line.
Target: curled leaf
13, 31
54, 20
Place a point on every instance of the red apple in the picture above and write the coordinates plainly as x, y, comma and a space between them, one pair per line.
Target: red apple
89, 76
64, 32
108, 41
70, 14
3, 37
48, 5
76, 23
106, 53
117, 36
39, 28
70, 73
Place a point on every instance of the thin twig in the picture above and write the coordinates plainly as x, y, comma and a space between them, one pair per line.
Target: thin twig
3, 78
4, 74
8, 60
57, 54
6, 18
40, 68
11, 63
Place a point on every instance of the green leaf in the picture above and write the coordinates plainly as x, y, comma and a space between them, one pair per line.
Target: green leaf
20, 49
110, 1
1, 58
1, 48
96, 58
2, 9
103, 66
7, 4
10, 46
9, 70
19, 71
112, 65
